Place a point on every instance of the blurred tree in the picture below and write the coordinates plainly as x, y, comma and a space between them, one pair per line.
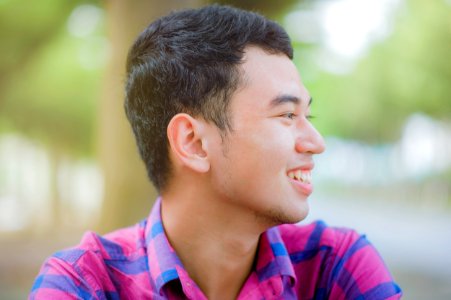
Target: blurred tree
406, 73
34, 98
273, 9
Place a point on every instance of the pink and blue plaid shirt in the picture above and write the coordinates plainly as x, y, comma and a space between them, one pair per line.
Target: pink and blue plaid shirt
293, 262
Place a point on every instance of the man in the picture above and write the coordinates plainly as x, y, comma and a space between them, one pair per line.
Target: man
221, 119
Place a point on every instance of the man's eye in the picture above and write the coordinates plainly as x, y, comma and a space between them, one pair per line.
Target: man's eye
289, 115
310, 117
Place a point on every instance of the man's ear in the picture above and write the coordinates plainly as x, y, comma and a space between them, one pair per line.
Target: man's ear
185, 135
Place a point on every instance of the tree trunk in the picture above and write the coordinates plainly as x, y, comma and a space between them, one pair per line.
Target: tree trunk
128, 194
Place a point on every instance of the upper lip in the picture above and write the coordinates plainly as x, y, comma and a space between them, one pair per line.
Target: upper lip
304, 167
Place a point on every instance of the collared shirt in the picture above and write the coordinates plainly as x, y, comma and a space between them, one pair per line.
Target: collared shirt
292, 262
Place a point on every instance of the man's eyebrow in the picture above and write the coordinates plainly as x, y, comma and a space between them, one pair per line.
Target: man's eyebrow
282, 99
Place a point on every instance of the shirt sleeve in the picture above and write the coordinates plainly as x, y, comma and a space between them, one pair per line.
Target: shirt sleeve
59, 279
360, 273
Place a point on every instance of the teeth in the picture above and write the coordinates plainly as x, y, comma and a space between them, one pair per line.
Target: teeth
298, 175
304, 176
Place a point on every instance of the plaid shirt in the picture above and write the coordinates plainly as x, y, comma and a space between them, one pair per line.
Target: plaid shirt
292, 262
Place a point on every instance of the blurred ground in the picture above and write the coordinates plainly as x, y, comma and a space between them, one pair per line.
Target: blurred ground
415, 243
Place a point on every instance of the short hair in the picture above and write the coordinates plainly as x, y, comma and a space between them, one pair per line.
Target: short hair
188, 61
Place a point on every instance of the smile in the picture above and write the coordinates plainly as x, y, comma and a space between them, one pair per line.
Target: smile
304, 176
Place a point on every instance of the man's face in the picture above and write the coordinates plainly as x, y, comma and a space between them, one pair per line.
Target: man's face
264, 164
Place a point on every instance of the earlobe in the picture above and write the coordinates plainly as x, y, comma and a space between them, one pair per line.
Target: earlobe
185, 136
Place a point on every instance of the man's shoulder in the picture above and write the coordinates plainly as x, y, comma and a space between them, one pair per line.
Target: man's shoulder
338, 262
95, 266
317, 235
117, 245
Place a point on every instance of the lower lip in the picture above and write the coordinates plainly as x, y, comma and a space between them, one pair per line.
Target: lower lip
304, 188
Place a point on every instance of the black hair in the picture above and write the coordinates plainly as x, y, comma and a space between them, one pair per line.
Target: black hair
188, 61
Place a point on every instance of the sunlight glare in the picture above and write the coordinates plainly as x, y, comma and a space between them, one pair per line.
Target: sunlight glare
351, 25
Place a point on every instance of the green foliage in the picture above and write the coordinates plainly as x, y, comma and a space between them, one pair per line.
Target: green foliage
46, 91
270, 8
407, 73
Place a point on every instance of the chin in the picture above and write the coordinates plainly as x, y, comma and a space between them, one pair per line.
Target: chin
297, 218
294, 213
279, 216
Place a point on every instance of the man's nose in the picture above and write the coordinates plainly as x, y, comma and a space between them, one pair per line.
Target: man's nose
309, 140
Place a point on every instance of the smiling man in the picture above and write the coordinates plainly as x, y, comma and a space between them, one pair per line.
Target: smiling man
221, 119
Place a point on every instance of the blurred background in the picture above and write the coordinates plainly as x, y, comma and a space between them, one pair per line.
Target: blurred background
378, 70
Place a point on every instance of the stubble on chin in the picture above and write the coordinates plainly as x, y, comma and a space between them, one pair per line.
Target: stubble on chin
276, 216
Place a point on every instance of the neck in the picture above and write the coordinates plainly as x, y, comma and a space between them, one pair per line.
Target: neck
215, 241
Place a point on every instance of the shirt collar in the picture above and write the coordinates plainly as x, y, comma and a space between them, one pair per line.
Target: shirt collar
162, 259
164, 264
272, 257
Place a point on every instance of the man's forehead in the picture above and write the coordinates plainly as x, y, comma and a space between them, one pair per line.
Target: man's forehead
273, 77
